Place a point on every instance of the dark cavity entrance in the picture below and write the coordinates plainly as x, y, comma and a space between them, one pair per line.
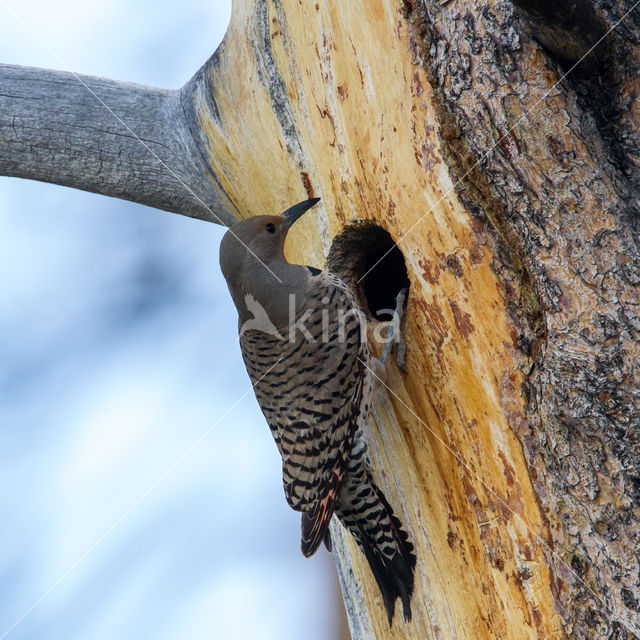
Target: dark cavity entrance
365, 256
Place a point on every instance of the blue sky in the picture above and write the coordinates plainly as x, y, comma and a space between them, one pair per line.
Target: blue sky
142, 494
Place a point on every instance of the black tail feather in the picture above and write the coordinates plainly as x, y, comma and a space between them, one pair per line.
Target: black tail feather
393, 572
395, 575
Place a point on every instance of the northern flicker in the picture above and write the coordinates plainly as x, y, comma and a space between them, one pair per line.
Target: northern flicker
303, 341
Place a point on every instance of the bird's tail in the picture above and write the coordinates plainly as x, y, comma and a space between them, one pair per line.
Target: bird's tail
364, 511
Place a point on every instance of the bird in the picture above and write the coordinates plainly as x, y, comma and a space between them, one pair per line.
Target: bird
303, 341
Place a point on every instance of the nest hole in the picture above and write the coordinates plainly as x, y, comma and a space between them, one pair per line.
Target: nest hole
366, 257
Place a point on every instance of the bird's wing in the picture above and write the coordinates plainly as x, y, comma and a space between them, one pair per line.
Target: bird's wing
310, 389
332, 468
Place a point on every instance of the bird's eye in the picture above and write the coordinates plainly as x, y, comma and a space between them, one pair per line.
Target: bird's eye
270, 227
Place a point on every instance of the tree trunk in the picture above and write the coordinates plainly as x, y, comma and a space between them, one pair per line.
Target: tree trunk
509, 178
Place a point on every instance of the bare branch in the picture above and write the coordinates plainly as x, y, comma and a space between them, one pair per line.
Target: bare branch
114, 138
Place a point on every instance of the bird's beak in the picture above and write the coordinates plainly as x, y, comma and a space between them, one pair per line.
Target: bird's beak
295, 212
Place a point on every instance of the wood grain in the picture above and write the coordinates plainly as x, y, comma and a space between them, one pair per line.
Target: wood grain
334, 103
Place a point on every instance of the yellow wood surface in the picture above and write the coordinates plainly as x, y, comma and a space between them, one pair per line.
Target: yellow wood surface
355, 125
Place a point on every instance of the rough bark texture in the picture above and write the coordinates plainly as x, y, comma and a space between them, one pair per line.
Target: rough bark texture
510, 449
567, 28
552, 164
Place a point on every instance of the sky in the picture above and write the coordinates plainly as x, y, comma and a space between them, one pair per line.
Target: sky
142, 493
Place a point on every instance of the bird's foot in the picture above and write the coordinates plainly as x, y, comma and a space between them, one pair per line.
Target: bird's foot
394, 333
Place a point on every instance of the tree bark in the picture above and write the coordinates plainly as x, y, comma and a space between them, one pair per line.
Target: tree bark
510, 449
559, 182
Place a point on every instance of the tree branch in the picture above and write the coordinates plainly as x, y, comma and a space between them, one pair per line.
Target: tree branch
114, 138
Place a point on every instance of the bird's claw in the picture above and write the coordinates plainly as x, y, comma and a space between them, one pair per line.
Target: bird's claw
394, 333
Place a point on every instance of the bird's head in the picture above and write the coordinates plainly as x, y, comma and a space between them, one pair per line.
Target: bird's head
258, 239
